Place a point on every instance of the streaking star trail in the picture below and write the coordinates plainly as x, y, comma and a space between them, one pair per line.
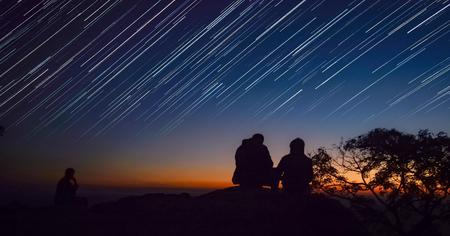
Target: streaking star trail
87, 68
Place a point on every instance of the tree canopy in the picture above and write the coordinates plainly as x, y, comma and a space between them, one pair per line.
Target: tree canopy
397, 181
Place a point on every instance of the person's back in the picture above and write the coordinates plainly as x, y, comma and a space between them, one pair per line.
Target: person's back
253, 163
65, 192
260, 157
296, 169
242, 162
261, 162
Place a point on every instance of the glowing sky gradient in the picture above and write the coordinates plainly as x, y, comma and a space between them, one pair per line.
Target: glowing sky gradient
144, 92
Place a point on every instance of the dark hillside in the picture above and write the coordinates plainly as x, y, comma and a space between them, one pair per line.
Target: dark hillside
229, 211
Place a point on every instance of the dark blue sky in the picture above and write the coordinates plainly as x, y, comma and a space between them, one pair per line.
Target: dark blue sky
184, 81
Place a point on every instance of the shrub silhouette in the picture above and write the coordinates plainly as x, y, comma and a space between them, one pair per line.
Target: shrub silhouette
396, 182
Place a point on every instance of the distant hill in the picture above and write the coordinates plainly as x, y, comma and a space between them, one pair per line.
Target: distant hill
230, 211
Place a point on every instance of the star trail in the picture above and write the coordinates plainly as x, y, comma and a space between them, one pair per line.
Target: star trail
89, 68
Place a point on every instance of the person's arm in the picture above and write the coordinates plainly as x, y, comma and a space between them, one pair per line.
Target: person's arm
240, 158
281, 165
268, 157
279, 170
75, 184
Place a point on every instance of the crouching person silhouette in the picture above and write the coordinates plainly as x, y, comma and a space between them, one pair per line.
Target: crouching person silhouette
296, 169
253, 163
66, 191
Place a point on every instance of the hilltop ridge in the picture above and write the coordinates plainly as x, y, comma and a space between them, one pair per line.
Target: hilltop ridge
230, 211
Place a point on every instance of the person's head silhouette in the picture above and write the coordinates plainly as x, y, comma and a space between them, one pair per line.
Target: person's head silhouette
70, 173
245, 141
297, 146
258, 139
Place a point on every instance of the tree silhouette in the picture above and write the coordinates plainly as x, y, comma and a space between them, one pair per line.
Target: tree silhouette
396, 182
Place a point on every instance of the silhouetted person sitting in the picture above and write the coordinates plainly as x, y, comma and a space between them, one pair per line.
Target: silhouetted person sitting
296, 169
66, 191
242, 163
253, 163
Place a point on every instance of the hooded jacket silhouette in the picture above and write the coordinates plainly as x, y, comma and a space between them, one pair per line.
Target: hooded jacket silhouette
296, 168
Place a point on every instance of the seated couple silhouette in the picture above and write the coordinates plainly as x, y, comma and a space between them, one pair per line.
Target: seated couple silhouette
254, 166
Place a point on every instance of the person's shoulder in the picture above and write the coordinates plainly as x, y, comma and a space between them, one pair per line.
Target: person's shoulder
290, 155
286, 157
283, 161
263, 147
61, 182
307, 158
64, 180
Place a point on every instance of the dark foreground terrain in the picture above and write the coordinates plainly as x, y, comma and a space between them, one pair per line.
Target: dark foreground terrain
229, 211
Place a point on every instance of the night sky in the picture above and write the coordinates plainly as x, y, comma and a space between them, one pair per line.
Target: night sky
153, 92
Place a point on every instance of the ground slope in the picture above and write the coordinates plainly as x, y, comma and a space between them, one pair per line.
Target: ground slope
230, 211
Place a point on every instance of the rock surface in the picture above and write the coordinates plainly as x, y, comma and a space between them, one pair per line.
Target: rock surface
230, 211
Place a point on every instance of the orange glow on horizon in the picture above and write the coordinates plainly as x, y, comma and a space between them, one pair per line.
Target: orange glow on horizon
159, 177
173, 184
